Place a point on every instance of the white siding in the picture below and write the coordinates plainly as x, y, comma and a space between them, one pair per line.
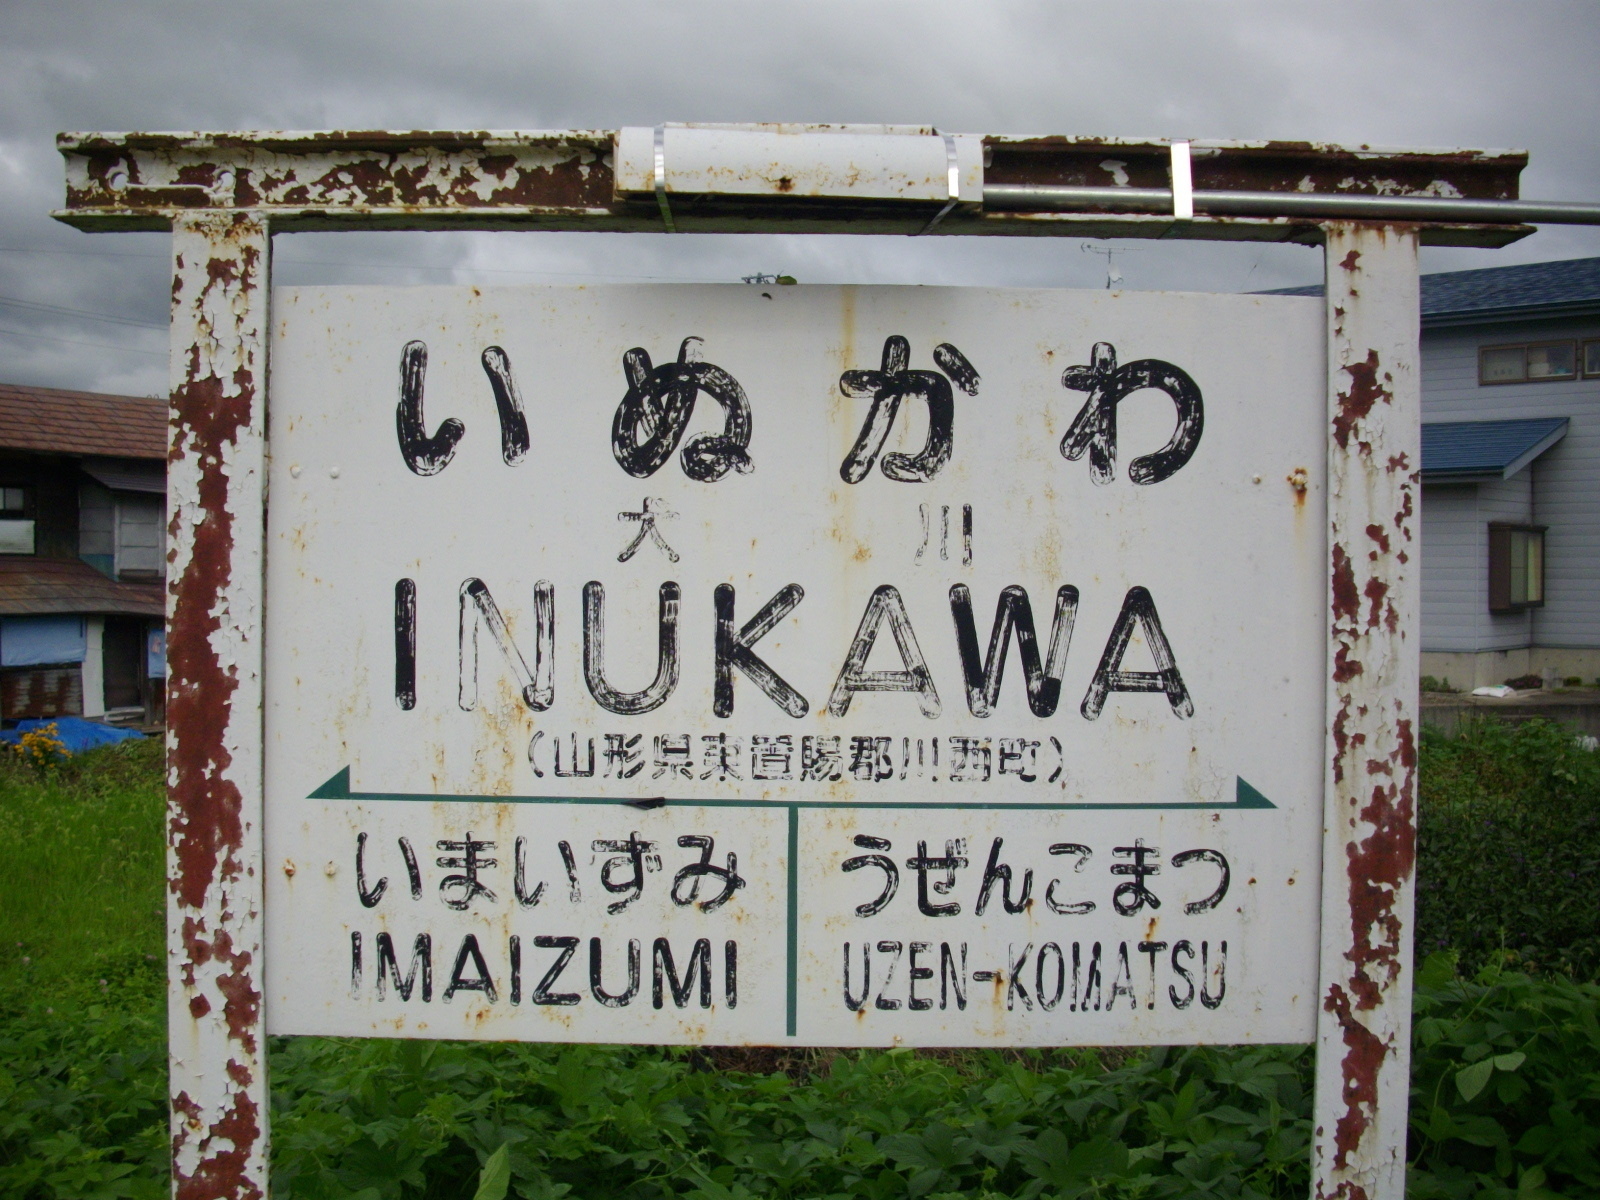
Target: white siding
1455, 565
1453, 588
1566, 479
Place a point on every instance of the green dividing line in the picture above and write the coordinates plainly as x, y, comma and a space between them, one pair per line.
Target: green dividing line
794, 916
338, 788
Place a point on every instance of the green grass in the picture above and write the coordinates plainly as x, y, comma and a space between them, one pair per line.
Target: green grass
82, 868
1505, 1084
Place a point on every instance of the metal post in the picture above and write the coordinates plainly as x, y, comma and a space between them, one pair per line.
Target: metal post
1369, 822
216, 502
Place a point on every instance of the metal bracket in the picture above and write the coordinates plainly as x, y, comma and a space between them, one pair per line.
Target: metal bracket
1182, 183
661, 179
953, 182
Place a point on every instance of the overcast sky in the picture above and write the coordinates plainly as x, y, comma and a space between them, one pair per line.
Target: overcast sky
89, 311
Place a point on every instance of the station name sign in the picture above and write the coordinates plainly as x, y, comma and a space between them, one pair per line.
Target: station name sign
806, 665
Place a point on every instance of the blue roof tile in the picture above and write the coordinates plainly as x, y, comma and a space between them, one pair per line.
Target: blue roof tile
1566, 285
1528, 285
1486, 449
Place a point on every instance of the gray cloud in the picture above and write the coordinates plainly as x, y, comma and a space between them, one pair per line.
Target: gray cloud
79, 311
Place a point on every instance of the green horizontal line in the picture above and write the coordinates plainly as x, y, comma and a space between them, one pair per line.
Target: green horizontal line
338, 788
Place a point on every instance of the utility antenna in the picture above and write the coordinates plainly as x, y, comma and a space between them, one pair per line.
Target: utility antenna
1112, 274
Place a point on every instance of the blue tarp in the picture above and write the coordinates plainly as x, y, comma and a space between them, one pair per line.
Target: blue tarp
76, 734
40, 641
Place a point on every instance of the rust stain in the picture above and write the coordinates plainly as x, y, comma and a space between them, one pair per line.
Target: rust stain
201, 174
1402, 518
205, 827
1364, 394
1379, 867
1375, 591
151, 174
1346, 602
1363, 1059
222, 1173
242, 1000
1299, 480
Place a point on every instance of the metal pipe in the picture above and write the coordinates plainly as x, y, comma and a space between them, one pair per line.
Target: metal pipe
1058, 198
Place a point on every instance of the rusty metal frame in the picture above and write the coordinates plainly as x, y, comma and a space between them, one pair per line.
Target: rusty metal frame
566, 180
1369, 795
223, 195
216, 495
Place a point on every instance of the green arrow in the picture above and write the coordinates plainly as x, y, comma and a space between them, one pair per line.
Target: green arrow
1246, 796
338, 788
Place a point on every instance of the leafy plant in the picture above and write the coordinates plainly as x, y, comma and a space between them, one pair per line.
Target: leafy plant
1508, 854
1505, 1085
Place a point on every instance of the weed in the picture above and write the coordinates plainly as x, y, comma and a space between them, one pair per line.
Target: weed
82, 865
41, 748
1509, 847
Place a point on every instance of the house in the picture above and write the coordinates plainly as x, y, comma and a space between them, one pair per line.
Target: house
82, 554
1510, 472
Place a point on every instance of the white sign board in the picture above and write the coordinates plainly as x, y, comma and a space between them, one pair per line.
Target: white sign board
807, 665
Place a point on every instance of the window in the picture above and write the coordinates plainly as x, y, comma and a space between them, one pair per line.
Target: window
16, 530
141, 543
1591, 359
1555, 360
1532, 363
1502, 364
1516, 567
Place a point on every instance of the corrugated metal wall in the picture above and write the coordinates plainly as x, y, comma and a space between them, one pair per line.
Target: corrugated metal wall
41, 692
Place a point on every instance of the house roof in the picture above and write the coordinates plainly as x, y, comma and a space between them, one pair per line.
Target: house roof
1572, 283
1462, 451
1568, 287
120, 475
30, 586
50, 421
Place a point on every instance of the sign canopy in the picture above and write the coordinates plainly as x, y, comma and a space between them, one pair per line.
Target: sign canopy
819, 665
